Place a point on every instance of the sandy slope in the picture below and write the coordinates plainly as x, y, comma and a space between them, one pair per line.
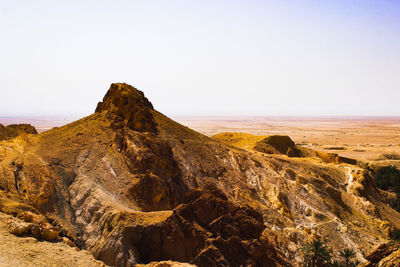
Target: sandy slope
28, 251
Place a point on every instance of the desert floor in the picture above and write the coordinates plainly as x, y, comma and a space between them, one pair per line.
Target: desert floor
364, 138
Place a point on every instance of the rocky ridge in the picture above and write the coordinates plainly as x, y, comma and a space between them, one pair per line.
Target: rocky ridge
13, 130
278, 144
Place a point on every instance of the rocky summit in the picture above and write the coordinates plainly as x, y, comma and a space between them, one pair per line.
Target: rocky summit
128, 186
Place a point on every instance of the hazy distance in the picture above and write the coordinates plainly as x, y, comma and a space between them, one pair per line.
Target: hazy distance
236, 58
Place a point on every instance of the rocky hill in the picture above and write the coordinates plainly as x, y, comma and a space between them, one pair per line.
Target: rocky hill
131, 186
278, 144
13, 130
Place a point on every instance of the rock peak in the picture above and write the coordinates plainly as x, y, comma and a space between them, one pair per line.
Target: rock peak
123, 94
131, 105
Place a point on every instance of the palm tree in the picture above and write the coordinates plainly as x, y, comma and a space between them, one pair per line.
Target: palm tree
316, 253
347, 254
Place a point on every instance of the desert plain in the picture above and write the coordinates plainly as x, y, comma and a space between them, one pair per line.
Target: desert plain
361, 138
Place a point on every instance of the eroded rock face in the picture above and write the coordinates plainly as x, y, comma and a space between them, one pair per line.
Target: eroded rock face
23, 128
28, 251
27, 220
385, 255
278, 144
130, 105
334, 158
147, 156
206, 229
391, 260
151, 160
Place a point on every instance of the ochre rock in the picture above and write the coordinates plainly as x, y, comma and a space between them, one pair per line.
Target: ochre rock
23, 128
205, 229
13, 130
334, 158
272, 144
386, 254
130, 105
50, 234
18, 228
392, 260
277, 144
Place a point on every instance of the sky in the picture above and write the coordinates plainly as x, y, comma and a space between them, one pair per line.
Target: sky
205, 58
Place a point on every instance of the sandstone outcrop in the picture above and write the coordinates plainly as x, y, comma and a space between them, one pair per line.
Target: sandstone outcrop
273, 144
277, 144
17, 228
13, 130
334, 158
28, 251
130, 105
280, 145
27, 220
206, 229
385, 255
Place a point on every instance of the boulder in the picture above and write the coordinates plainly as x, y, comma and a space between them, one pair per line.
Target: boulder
18, 228
50, 234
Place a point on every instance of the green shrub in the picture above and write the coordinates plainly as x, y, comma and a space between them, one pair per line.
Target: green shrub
388, 178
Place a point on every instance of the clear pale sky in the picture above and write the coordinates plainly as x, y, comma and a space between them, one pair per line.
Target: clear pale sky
202, 57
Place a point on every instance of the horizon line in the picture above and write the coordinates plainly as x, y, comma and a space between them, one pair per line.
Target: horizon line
71, 116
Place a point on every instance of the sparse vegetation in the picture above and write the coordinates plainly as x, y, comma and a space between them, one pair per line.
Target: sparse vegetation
347, 254
388, 178
317, 254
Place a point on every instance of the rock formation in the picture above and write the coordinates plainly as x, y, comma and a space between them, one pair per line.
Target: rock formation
130, 105
385, 255
205, 229
13, 130
277, 144
133, 187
